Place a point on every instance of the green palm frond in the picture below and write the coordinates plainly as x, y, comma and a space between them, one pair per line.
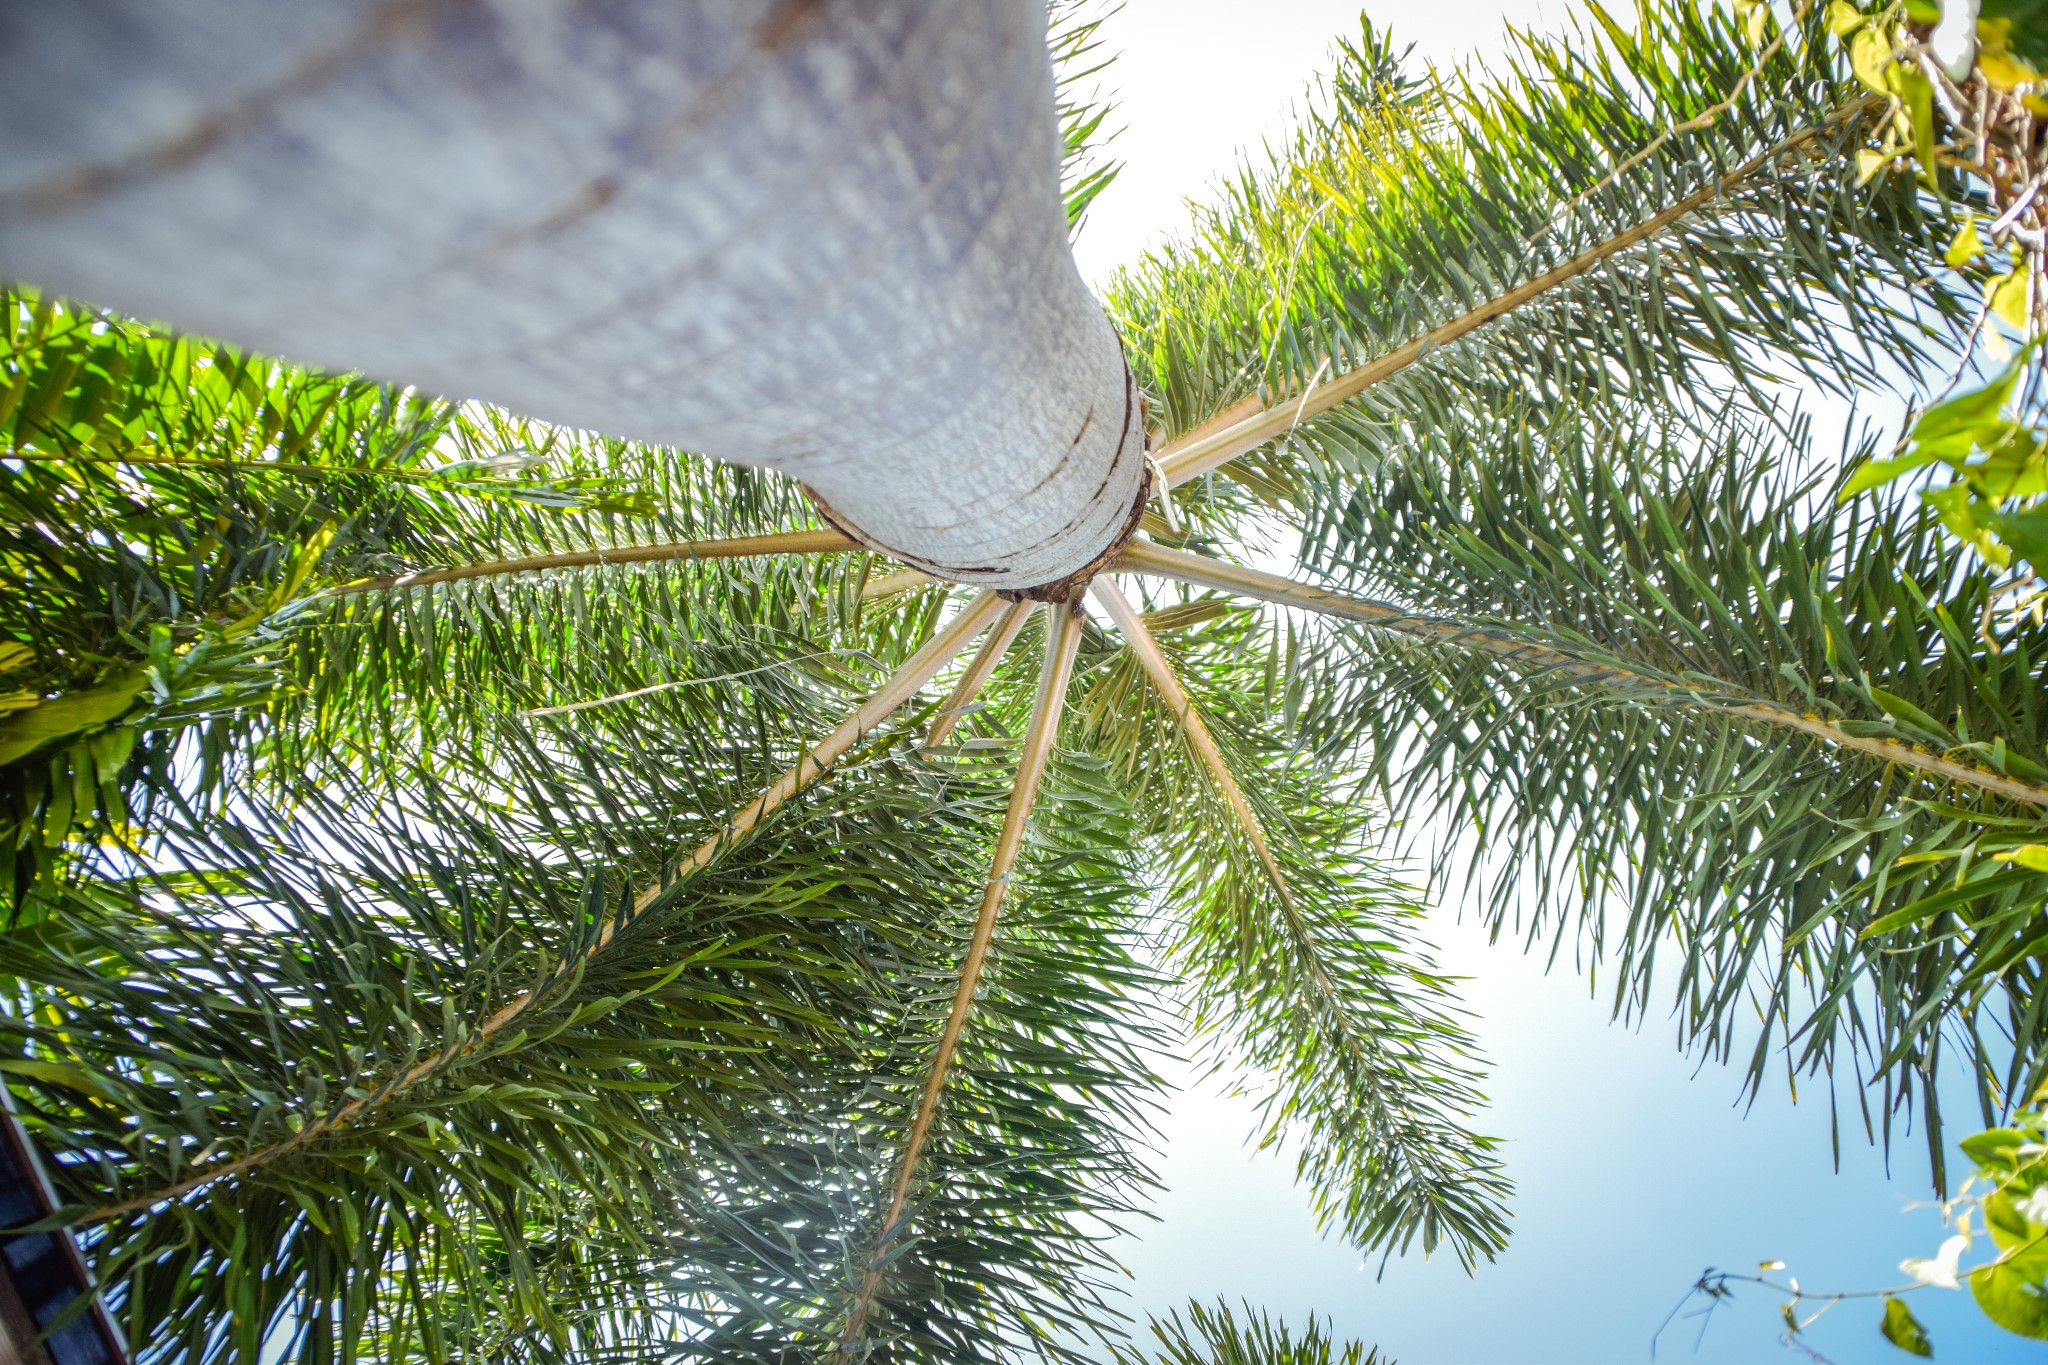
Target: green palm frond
1074, 35
1216, 1336
1298, 959
610, 709
1670, 601
1657, 676
1417, 237
447, 666
222, 1000
172, 509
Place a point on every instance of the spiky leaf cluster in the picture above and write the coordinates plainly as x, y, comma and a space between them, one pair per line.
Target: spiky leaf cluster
1738, 252
1556, 280
673, 1141
1215, 1335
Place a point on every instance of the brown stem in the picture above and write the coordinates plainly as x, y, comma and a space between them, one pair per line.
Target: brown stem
1168, 684
1142, 557
814, 764
1062, 640
1199, 457
890, 584
1160, 670
781, 543
969, 687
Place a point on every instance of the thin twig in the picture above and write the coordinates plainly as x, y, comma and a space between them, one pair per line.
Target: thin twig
2022, 201
1714, 1285
1946, 92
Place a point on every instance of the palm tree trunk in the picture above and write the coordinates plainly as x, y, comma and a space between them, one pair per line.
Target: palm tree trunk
820, 236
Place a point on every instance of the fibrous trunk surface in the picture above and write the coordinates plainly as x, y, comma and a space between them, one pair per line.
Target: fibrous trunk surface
824, 237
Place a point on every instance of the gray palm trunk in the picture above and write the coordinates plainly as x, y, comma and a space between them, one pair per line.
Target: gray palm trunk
820, 236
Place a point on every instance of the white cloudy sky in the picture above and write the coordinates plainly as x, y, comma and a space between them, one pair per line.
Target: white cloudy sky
1194, 80
1636, 1169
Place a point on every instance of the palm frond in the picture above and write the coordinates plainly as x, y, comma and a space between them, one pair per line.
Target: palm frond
171, 509
1528, 651
1296, 953
740, 547
1074, 35
1063, 638
1418, 236
1611, 670
557, 1189
1216, 1336
1030, 1159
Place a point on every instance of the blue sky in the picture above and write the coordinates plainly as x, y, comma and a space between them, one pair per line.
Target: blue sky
1635, 1167
1633, 1172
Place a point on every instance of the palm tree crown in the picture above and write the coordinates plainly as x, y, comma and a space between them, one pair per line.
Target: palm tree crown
483, 889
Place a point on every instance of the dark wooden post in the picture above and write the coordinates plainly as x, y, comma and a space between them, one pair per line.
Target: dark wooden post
42, 1273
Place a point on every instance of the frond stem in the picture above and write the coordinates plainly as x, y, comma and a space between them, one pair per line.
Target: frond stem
971, 682
1160, 670
1142, 557
1168, 684
1063, 639
918, 670
737, 547
891, 584
1199, 457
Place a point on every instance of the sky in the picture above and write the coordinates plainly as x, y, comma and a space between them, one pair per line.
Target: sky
1636, 1167
1195, 80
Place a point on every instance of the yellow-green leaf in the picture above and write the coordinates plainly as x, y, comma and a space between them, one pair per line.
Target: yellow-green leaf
1869, 164
32, 727
64, 1074
1873, 473
1899, 709
1967, 246
1903, 1330
1755, 16
2013, 1300
2034, 856
2007, 295
1918, 93
1843, 18
2003, 68
303, 563
1870, 54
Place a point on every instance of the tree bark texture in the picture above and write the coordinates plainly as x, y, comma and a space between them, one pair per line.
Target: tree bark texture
823, 237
